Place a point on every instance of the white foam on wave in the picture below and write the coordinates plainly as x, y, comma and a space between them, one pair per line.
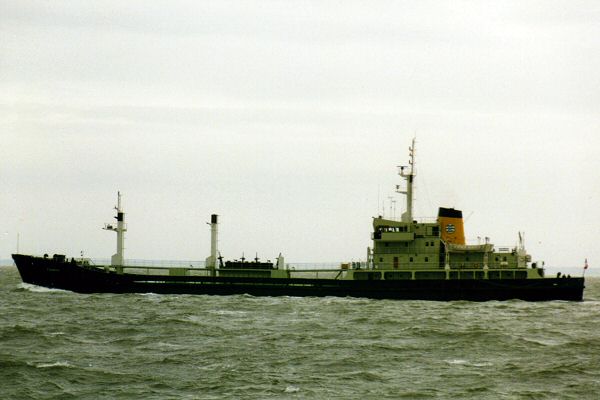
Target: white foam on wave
546, 341
39, 289
483, 364
54, 364
195, 319
292, 389
468, 363
169, 345
157, 297
228, 312
153, 297
456, 362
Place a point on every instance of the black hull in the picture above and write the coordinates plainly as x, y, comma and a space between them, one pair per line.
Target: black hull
74, 277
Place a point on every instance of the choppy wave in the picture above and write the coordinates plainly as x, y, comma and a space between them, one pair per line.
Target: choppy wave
38, 289
154, 346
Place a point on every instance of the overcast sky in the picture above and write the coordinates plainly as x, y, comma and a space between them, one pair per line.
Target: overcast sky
288, 119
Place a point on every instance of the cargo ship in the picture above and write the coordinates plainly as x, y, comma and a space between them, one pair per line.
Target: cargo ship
408, 260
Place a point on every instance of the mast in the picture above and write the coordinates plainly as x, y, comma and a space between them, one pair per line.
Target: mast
408, 173
121, 228
211, 261
214, 235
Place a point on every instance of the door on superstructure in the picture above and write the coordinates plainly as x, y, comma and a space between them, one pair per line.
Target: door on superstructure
395, 262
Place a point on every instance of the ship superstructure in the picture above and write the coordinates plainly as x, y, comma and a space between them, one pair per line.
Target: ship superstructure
409, 249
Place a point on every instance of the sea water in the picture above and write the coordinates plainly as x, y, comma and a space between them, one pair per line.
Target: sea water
57, 344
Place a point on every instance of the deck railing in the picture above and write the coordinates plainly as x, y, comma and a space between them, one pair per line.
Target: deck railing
298, 270
325, 266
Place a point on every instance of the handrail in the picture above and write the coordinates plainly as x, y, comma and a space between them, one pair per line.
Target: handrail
198, 267
196, 264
